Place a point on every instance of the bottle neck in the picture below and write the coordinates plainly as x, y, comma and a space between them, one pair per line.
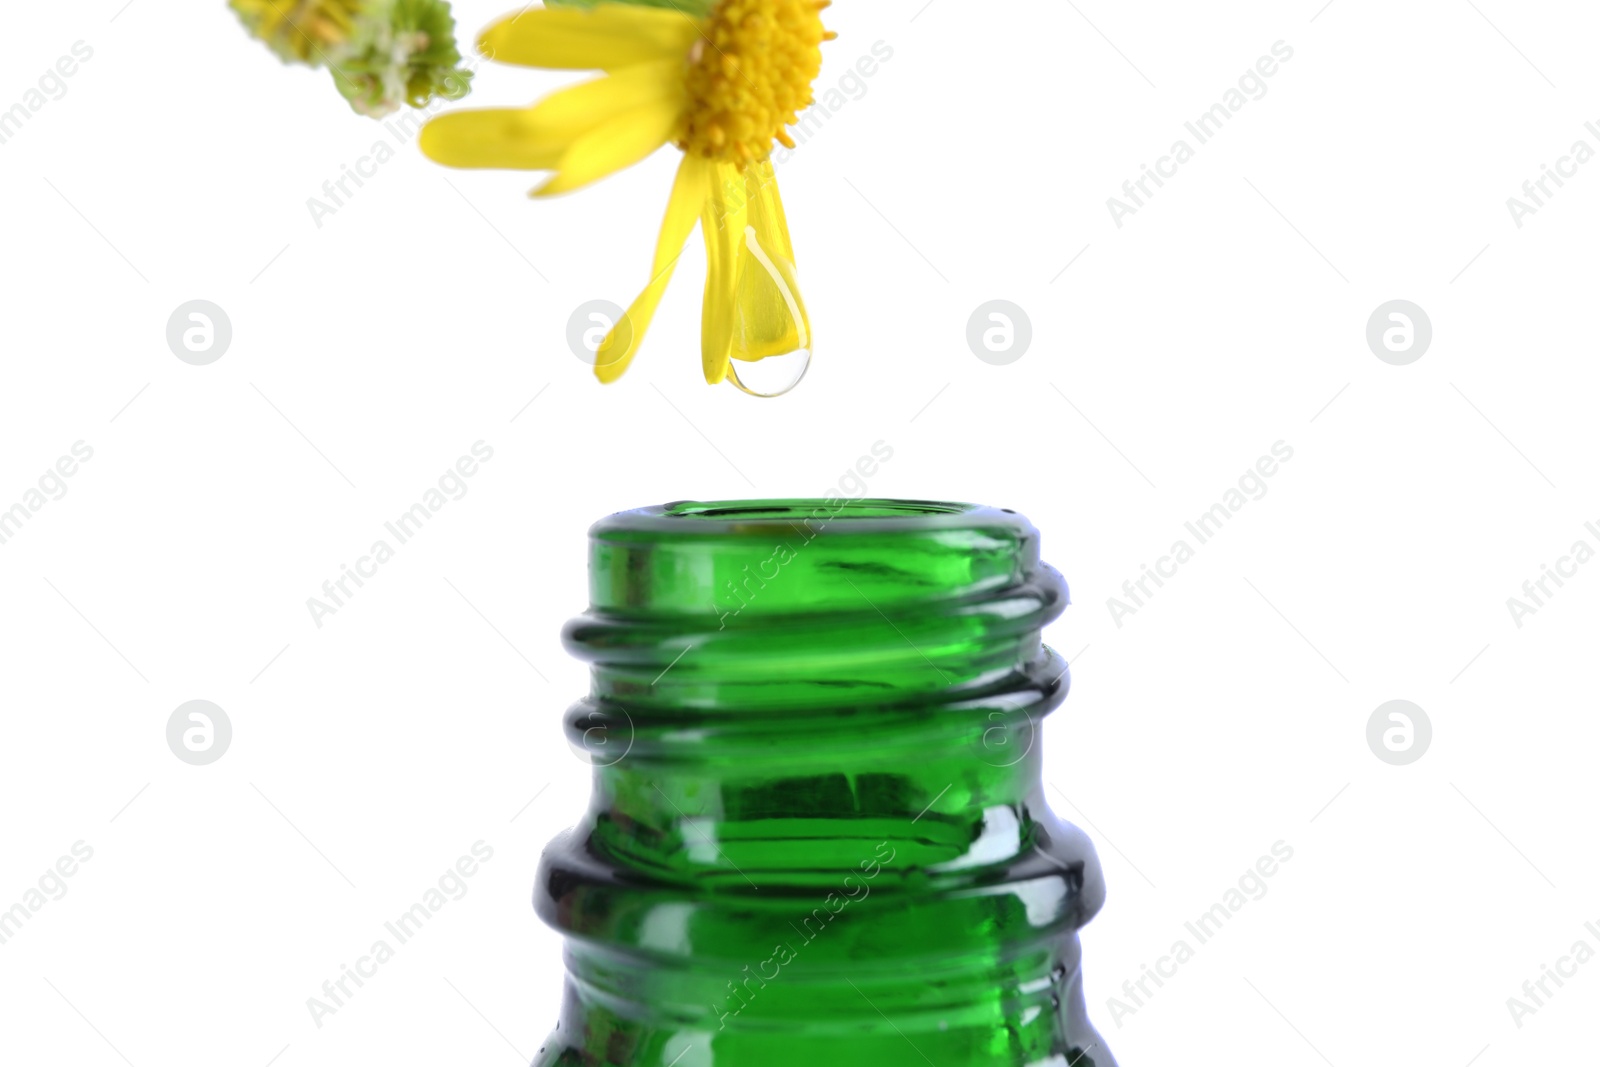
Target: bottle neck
705, 795
822, 810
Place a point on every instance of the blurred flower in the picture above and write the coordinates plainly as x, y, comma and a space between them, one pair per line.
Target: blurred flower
382, 53
721, 83
299, 31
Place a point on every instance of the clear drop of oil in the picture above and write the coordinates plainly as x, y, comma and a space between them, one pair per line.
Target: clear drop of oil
770, 377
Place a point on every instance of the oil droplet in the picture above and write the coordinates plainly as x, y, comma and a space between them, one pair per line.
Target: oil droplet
770, 377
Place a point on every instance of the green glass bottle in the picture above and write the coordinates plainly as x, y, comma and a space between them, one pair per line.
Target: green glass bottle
818, 835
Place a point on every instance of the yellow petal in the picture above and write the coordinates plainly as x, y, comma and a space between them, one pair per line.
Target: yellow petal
535, 138
683, 208
722, 223
771, 316
600, 38
766, 208
584, 106
618, 142
491, 137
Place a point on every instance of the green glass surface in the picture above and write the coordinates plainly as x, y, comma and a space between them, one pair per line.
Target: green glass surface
817, 834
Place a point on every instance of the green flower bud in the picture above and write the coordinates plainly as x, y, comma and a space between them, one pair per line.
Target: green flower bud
382, 53
402, 51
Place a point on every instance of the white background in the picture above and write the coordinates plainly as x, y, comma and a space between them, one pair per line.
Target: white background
1228, 314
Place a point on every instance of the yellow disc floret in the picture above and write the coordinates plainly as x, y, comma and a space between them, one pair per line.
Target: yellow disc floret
750, 75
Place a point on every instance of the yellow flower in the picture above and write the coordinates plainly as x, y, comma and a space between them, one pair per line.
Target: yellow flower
722, 88
300, 30
382, 53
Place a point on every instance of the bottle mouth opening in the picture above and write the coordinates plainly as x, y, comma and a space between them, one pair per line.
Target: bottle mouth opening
803, 508
791, 601
842, 518
689, 551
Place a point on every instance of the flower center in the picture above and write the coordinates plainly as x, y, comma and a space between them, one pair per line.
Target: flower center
749, 76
